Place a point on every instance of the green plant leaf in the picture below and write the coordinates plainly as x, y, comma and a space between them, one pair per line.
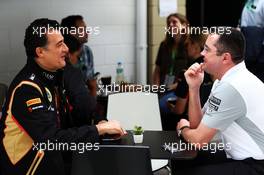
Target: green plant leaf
138, 130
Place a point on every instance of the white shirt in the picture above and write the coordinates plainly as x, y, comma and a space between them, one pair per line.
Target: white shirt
235, 107
253, 14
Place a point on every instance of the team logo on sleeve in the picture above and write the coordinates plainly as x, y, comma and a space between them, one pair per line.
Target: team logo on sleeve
48, 94
34, 104
33, 101
214, 103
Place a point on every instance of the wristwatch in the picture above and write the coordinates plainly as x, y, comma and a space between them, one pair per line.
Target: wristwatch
181, 129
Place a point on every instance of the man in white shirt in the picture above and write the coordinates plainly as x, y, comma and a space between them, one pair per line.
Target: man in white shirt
252, 26
234, 107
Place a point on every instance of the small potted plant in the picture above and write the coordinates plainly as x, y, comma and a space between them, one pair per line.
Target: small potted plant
138, 134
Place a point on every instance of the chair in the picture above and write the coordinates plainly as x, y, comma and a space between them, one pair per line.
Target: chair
137, 108
3, 91
113, 160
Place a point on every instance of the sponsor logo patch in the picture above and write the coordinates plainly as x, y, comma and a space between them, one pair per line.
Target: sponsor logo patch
37, 107
214, 103
30, 109
33, 101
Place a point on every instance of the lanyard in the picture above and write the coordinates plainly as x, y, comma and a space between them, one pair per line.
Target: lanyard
173, 58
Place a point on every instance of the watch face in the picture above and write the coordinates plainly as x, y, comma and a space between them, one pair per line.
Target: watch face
181, 129
179, 132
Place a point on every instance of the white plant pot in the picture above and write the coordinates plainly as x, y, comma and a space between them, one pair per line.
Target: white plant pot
138, 138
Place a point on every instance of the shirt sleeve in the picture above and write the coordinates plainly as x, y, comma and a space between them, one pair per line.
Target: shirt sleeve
224, 106
83, 103
89, 59
39, 121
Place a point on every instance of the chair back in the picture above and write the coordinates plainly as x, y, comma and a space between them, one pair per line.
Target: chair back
135, 108
113, 160
3, 92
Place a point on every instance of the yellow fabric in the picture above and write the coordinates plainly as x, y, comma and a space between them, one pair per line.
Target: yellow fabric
16, 141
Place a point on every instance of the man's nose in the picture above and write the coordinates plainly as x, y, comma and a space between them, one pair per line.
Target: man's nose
203, 53
65, 48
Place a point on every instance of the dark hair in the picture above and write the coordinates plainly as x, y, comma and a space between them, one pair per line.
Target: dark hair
72, 43
198, 38
169, 39
70, 21
35, 38
232, 41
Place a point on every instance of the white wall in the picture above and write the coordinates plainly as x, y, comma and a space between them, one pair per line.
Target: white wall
115, 18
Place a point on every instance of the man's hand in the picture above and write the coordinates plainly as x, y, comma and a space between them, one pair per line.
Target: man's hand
102, 121
110, 127
172, 86
194, 75
182, 122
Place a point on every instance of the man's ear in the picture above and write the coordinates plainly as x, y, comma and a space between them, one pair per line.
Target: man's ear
227, 58
39, 51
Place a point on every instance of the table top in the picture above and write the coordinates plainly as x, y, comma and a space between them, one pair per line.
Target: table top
156, 140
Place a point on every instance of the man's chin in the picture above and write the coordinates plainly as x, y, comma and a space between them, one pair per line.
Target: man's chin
62, 64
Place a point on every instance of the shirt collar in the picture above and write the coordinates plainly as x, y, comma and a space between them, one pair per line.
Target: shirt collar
236, 68
46, 76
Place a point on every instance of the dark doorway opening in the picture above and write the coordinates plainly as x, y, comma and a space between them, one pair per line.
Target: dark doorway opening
214, 12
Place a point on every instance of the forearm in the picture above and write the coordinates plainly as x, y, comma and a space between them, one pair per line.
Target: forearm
194, 111
81, 134
71, 135
191, 136
199, 136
